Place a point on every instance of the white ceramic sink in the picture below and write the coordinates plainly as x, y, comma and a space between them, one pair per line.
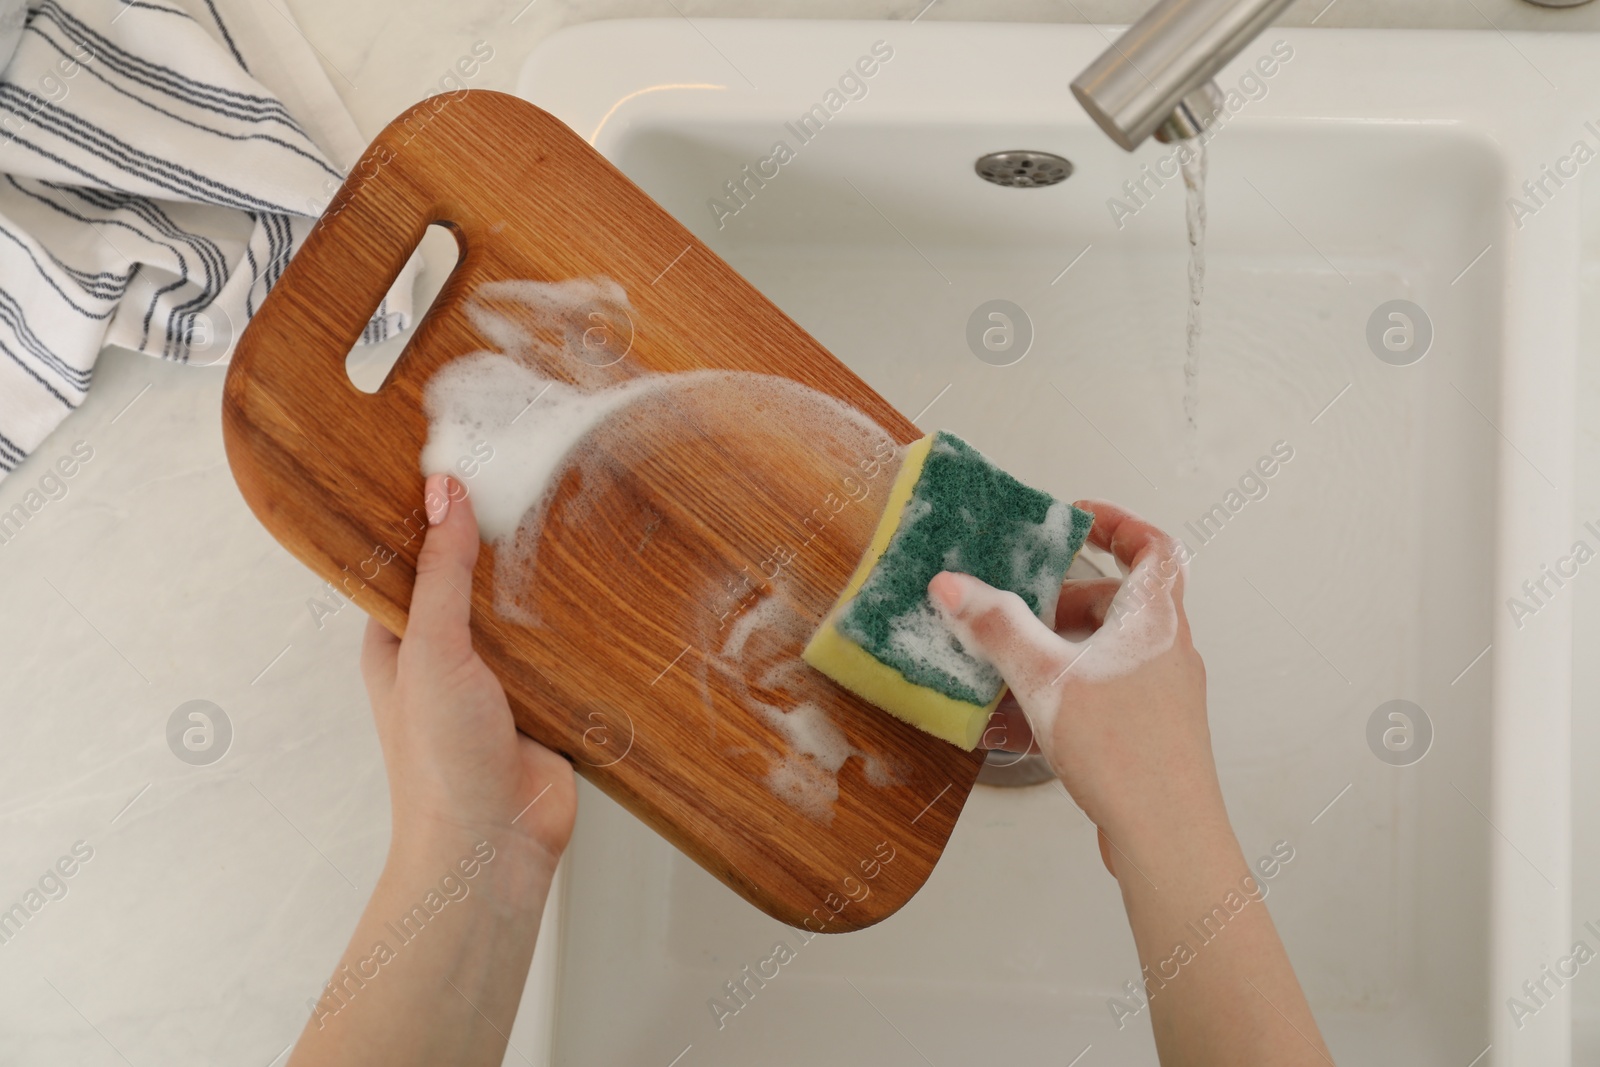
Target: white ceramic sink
1369, 167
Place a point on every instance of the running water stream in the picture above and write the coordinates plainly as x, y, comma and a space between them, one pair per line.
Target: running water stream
1193, 164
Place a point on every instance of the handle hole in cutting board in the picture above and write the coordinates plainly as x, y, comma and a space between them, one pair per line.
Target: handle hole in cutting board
368, 366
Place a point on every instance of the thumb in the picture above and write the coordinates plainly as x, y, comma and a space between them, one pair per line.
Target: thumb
441, 604
998, 626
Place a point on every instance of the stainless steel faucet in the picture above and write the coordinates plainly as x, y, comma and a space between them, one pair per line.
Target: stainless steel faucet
1156, 77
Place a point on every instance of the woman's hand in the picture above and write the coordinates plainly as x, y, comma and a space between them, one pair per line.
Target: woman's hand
456, 761
481, 814
1115, 699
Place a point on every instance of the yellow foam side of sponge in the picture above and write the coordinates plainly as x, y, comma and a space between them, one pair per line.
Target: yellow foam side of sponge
847, 663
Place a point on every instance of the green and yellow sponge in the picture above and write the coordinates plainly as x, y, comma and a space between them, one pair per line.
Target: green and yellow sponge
949, 509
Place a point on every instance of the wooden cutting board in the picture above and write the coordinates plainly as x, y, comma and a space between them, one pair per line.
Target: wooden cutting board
618, 666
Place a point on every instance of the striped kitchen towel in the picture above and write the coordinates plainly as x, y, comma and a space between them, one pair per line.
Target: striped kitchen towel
160, 160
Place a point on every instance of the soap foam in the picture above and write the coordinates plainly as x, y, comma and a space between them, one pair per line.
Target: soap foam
807, 775
532, 422
1049, 537
922, 635
763, 643
542, 427
770, 615
583, 324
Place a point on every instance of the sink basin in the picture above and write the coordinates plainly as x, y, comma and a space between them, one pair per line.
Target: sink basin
1416, 484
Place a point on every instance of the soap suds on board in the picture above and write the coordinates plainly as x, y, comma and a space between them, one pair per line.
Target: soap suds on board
541, 428
764, 644
584, 323
769, 614
532, 422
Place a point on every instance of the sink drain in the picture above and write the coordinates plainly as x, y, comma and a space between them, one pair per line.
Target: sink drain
1021, 169
1010, 770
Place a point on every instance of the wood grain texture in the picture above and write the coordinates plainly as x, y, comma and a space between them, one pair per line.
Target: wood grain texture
627, 630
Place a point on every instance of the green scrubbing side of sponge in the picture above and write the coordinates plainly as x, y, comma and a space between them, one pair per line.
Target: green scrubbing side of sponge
885, 640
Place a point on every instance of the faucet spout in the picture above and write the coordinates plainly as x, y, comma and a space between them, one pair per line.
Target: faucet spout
1156, 77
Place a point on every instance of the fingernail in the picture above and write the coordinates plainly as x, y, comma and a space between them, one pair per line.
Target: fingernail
948, 590
436, 498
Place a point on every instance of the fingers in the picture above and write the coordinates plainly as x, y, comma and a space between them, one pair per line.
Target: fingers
1121, 532
440, 601
1131, 539
998, 627
1083, 604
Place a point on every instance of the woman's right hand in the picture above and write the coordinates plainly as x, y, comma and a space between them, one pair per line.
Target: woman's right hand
1115, 696
1117, 703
